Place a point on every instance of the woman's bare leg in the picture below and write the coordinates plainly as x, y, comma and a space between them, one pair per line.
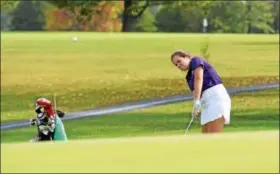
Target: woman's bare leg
204, 129
216, 125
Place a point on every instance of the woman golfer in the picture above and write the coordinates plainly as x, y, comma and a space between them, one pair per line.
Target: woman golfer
210, 95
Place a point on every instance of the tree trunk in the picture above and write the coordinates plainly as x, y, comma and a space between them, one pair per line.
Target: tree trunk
276, 16
126, 16
130, 19
249, 8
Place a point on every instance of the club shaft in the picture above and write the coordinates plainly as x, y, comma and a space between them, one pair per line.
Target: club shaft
189, 125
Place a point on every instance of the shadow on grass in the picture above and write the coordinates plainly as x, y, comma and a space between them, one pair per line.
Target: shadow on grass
137, 124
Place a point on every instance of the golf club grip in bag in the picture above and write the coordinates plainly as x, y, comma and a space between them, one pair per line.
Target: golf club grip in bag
41, 136
60, 113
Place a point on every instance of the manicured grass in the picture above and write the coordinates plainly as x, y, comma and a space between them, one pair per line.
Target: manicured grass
103, 68
250, 112
251, 152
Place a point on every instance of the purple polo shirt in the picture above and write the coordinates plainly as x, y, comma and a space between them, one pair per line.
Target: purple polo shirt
210, 76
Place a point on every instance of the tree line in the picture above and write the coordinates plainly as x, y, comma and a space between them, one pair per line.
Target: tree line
142, 16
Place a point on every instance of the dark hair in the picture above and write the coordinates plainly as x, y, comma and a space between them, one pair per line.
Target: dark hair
180, 53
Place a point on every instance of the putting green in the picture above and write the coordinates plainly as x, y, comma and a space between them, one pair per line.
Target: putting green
242, 152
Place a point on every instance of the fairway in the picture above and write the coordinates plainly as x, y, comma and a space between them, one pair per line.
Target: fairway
110, 68
252, 111
251, 152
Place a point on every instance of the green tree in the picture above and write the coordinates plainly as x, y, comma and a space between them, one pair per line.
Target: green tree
169, 19
275, 15
8, 5
259, 18
223, 16
132, 10
227, 17
5, 20
146, 23
28, 16
83, 10
185, 16
6, 8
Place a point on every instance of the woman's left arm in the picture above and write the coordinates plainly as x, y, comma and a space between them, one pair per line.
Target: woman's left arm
198, 80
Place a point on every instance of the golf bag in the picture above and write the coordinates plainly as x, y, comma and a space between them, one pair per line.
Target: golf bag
49, 129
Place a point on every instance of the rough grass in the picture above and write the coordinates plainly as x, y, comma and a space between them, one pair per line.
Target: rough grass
245, 152
102, 68
250, 111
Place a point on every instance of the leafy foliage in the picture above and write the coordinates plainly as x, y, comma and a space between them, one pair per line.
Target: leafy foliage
84, 11
5, 21
103, 17
169, 19
146, 23
59, 19
8, 5
275, 14
165, 16
28, 15
81, 10
223, 16
259, 17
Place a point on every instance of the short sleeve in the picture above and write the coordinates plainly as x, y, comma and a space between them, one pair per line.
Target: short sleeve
196, 62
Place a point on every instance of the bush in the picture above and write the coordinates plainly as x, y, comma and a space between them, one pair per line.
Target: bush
146, 23
28, 15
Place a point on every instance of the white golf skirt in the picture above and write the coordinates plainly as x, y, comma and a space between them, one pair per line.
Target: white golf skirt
215, 102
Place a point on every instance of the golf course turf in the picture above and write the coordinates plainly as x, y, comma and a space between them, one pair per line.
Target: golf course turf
103, 69
242, 152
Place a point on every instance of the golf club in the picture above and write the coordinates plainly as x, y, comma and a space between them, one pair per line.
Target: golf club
189, 125
54, 101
